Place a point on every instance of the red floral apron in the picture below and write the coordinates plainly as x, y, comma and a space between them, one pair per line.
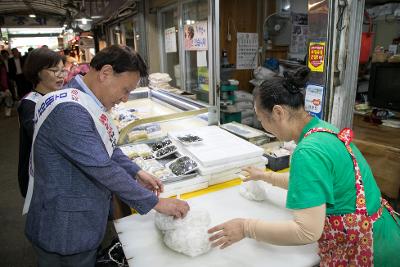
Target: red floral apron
347, 240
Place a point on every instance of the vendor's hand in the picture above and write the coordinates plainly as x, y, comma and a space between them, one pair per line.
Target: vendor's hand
227, 233
150, 182
173, 207
255, 174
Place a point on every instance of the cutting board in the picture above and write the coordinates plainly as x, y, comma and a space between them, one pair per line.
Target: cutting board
143, 245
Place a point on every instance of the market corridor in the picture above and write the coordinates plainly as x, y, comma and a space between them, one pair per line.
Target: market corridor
15, 249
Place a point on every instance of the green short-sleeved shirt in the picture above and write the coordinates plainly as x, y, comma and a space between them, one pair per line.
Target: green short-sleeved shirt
322, 171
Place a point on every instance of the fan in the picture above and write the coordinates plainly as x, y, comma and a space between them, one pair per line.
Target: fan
276, 28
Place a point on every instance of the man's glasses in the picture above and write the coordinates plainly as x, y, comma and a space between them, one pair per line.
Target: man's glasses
59, 73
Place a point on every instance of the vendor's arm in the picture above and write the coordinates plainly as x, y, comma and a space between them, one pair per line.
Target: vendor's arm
310, 191
276, 179
306, 227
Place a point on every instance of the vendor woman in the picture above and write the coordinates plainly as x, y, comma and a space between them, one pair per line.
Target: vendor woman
331, 190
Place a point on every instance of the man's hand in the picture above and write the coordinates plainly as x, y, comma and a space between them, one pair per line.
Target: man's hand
172, 207
227, 233
150, 182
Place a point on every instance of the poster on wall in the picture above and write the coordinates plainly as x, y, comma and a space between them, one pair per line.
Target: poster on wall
298, 43
316, 56
314, 99
170, 40
195, 36
247, 50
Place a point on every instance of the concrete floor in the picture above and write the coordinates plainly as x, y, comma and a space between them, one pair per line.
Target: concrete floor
15, 249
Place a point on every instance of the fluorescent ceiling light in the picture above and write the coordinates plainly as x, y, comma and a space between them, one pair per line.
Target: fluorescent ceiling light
32, 15
32, 30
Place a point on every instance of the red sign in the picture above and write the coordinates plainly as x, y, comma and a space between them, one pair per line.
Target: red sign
316, 56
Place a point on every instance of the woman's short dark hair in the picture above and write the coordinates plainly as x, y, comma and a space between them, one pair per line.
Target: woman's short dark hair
40, 59
121, 58
279, 91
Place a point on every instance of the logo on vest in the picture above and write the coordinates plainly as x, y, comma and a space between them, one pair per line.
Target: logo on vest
49, 100
74, 95
104, 120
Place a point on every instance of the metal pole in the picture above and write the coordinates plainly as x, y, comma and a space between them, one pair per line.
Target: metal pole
348, 60
214, 70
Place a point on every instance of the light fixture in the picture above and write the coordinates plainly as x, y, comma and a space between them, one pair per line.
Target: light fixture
285, 5
117, 29
81, 16
32, 15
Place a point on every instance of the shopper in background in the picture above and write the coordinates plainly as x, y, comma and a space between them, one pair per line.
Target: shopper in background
30, 49
70, 66
331, 190
77, 166
11, 87
4, 53
15, 69
45, 69
5, 93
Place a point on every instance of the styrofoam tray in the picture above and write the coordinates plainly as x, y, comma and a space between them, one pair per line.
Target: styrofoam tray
232, 165
184, 186
218, 146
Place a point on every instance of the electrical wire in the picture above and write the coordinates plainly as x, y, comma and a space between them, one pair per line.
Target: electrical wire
339, 23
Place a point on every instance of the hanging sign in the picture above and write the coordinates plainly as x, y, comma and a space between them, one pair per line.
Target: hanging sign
298, 43
195, 36
170, 40
316, 56
314, 99
247, 50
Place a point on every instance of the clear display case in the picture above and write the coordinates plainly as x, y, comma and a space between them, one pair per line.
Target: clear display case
149, 115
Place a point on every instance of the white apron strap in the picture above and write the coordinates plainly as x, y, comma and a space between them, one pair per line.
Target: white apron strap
33, 96
103, 122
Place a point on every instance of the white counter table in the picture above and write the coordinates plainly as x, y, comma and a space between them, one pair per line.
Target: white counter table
143, 245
